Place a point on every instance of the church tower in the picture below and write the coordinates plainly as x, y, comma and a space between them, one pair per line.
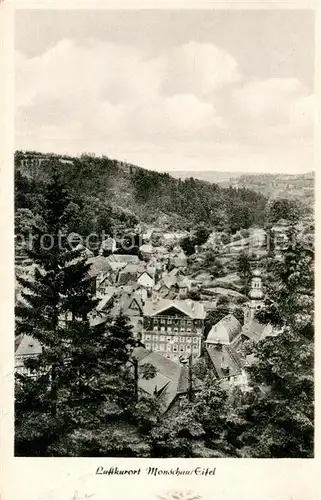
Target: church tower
256, 297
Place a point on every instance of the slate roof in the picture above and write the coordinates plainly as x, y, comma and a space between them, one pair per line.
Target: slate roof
125, 259
193, 309
124, 303
225, 331
129, 273
171, 378
225, 357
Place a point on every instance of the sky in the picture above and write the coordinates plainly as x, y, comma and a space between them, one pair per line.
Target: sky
168, 90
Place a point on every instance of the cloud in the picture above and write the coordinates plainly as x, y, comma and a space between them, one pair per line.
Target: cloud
274, 102
114, 99
108, 90
198, 68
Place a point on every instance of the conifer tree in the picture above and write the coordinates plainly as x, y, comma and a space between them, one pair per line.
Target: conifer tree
59, 290
82, 399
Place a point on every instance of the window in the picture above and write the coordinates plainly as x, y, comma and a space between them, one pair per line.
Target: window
175, 339
169, 348
181, 339
169, 321
147, 345
195, 348
162, 321
155, 337
147, 337
188, 340
182, 348
188, 348
162, 328
162, 338
189, 323
175, 349
175, 330
155, 328
189, 330
169, 328
195, 340
168, 339
161, 347
155, 347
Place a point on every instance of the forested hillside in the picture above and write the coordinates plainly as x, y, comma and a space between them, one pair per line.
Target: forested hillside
105, 188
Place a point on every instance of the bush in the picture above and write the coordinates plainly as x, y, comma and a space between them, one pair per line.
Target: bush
223, 300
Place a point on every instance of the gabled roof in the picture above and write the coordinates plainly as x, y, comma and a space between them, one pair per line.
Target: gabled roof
109, 278
124, 303
256, 331
171, 378
226, 361
151, 271
174, 272
110, 292
225, 331
190, 308
169, 280
129, 273
126, 259
135, 298
26, 345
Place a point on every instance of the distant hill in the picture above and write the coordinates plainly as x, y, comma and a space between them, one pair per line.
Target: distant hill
272, 186
207, 176
104, 186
